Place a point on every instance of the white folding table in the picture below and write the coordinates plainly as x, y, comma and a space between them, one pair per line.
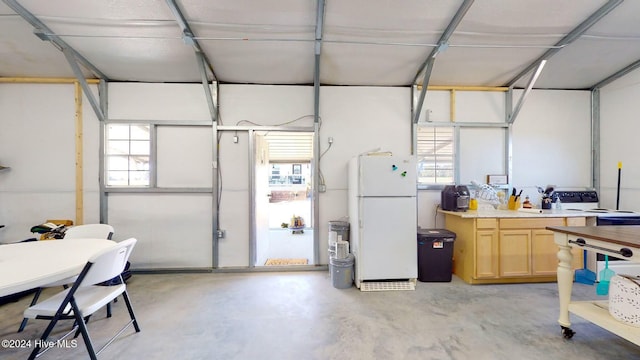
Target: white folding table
34, 264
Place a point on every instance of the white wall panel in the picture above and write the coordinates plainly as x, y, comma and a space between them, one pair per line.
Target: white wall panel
146, 101
436, 106
333, 206
21, 211
362, 119
185, 156
91, 154
619, 129
481, 153
552, 140
173, 230
480, 106
234, 200
428, 218
38, 142
234, 219
266, 104
470, 106
38, 137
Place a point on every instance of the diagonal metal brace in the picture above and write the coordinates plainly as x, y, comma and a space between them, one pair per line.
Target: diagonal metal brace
442, 45
43, 32
527, 90
95, 104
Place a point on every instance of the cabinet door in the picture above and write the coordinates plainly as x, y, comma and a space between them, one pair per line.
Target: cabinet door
486, 254
515, 253
544, 253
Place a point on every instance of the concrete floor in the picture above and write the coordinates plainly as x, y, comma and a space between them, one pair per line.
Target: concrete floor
299, 315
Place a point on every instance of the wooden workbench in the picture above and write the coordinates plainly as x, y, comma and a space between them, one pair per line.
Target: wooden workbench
619, 241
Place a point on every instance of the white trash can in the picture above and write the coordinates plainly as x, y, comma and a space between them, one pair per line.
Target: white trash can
338, 231
342, 272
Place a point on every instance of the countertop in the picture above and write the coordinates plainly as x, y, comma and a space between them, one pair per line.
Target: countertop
492, 213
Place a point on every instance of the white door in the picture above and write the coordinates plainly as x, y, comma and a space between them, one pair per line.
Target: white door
387, 176
388, 242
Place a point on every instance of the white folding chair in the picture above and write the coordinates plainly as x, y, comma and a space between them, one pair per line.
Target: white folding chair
85, 298
87, 231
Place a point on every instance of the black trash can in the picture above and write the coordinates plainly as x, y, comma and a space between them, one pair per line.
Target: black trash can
435, 255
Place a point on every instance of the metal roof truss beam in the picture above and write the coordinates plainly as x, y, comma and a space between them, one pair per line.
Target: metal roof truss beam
569, 38
622, 72
44, 33
526, 92
187, 35
427, 66
72, 56
204, 65
95, 104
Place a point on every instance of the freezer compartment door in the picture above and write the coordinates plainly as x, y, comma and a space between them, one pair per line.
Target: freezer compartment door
387, 176
387, 246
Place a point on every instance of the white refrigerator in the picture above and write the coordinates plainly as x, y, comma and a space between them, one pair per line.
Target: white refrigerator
383, 217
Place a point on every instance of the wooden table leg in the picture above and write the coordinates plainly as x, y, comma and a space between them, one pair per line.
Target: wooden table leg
565, 284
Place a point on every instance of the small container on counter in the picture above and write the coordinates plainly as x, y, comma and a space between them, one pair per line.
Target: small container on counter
527, 204
473, 204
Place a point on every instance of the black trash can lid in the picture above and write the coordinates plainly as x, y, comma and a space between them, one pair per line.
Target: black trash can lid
436, 233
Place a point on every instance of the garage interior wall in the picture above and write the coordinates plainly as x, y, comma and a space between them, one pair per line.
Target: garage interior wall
37, 142
619, 131
174, 230
244, 105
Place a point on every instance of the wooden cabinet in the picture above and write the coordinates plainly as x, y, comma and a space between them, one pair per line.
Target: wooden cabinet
507, 250
486, 249
544, 253
515, 253
527, 249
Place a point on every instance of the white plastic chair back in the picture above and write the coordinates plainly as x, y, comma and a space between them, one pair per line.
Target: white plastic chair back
109, 263
83, 299
89, 231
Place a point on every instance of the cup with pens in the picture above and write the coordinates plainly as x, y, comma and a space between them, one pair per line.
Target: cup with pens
515, 201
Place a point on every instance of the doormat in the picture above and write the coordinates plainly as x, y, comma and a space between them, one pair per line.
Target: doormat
286, 262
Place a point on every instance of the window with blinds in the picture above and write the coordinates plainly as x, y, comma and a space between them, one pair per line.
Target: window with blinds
435, 150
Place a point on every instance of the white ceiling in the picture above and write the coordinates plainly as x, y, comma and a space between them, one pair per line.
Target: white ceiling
363, 42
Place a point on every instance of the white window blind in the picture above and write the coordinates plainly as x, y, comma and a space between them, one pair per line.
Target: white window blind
435, 150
